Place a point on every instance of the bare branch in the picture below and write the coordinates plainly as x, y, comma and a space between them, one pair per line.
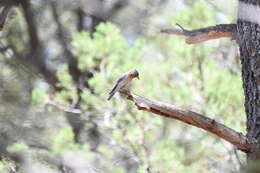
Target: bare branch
64, 108
32, 26
3, 16
204, 34
35, 56
18, 59
192, 118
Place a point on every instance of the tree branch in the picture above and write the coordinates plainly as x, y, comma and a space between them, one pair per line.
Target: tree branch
35, 56
32, 26
72, 61
204, 34
80, 16
190, 117
19, 60
3, 16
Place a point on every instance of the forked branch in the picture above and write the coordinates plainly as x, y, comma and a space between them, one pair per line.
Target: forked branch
204, 34
190, 117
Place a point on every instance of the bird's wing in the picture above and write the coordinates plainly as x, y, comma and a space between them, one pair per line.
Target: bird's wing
117, 83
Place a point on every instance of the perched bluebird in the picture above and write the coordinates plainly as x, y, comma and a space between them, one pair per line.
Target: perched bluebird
123, 81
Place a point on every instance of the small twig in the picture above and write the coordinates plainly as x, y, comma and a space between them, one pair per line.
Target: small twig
181, 27
65, 108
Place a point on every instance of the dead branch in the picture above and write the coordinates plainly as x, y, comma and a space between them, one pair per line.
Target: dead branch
204, 34
192, 118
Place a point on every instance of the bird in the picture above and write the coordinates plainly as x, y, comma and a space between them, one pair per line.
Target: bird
123, 82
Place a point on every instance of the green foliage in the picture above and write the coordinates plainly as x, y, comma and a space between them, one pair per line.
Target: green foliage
18, 148
124, 138
198, 15
3, 167
69, 91
38, 96
198, 76
162, 158
185, 75
224, 94
107, 49
63, 140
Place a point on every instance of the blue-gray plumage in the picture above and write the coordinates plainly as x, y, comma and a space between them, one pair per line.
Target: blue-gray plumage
123, 81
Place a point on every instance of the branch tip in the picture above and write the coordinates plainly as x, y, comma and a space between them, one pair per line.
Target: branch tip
181, 27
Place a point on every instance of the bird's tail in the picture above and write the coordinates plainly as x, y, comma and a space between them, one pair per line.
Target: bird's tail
111, 95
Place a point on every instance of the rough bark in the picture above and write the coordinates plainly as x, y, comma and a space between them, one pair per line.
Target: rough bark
249, 43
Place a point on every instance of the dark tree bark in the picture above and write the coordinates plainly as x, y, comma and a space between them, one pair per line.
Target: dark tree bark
249, 44
80, 16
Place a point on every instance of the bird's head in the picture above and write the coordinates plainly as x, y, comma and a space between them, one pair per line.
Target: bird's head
134, 73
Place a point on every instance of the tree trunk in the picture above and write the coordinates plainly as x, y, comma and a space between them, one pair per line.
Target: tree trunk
249, 44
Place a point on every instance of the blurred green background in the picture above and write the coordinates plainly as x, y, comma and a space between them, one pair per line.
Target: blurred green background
37, 122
